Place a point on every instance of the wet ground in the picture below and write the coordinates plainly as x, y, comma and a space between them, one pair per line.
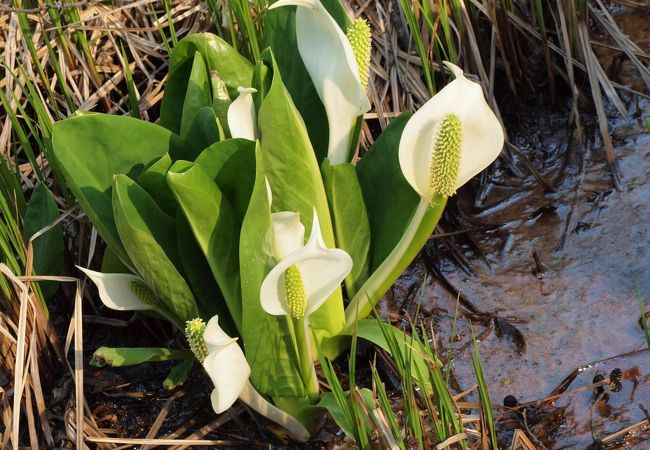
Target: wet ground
559, 273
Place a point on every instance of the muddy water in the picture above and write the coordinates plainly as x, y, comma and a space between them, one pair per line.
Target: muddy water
563, 267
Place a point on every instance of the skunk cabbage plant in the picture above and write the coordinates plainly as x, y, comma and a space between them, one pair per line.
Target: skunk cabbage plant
206, 214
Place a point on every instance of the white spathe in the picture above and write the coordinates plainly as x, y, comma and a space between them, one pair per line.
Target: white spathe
482, 135
226, 365
289, 233
329, 59
229, 372
322, 269
115, 291
242, 120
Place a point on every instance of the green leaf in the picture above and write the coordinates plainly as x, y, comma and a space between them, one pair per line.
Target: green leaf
186, 92
92, 148
112, 264
199, 277
338, 13
149, 237
389, 198
122, 357
152, 179
11, 188
350, 219
330, 402
293, 174
233, 69
268, 343
231, 164
220, 100
214, 225
48, 247
197, 94
203, 132
178, 375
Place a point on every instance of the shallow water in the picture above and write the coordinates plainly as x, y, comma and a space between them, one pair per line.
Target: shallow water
568, 263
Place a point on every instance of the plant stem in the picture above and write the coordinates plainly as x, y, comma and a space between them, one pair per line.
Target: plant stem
424, 220
253, 399
306, 358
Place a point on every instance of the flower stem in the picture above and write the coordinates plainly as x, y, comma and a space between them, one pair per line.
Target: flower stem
306, 358
253, 399
424, 220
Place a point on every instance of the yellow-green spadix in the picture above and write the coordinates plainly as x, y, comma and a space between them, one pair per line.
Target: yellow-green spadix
332, 66
453, 137
319, 269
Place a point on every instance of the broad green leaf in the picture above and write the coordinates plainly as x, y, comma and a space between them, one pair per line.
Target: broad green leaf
350, 219
199, 277
122, 357
178, 375
197, 95
268, 344
293, 174
220, 100
280, 35
400, 222
152, 179
231, 164
262, 79
203, 132
112, 264
218, 55
215, 228
389, 199
48, 247
186, 92
92, 148
149, 237
329, 402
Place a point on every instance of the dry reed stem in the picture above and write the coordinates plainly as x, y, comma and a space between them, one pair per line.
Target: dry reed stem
521, 442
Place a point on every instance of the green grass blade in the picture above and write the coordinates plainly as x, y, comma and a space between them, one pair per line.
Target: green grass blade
409, 12
170, 21
486, 408
130, 86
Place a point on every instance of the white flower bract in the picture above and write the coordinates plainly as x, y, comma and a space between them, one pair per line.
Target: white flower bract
330, 61
322, 270
482, 135
226, 365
